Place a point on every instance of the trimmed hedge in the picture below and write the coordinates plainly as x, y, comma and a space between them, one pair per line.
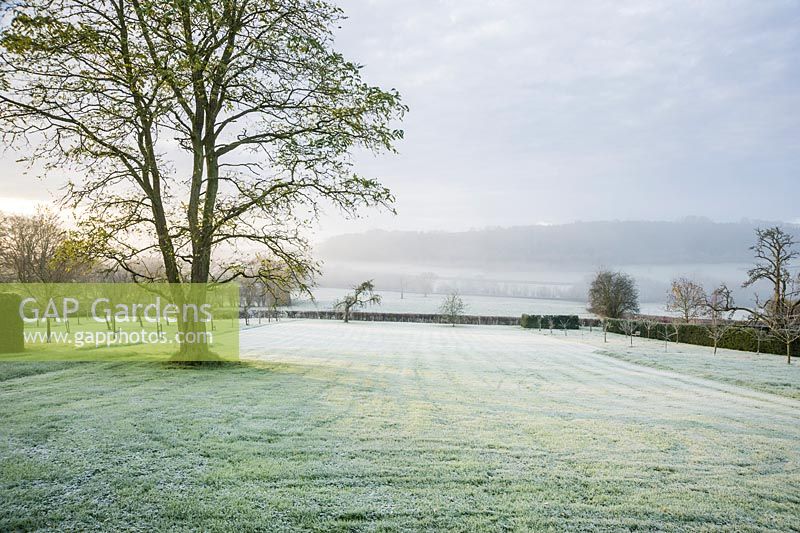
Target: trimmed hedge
543, 321
11, 325
370, 316
736, 338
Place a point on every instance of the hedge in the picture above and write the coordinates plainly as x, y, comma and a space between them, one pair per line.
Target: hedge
543, 321
736, 338
426, 318
11, 325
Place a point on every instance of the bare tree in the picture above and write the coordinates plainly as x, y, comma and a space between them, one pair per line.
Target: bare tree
649, 324
761, 334
362, 295
781, 312
452, 307
426, 280
774, 253
670, 331
251, 293
564, 323
36, 249
629, 327
687, 298
613, 295
784, 321
717, 327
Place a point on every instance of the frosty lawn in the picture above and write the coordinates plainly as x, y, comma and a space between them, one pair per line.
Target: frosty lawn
402, 426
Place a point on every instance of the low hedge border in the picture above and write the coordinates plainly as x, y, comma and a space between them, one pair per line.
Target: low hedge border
543, 321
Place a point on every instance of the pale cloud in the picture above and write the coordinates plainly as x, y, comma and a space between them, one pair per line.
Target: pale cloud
540, 110
530, 110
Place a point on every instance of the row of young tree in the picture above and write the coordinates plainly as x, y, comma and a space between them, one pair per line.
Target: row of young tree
614, 296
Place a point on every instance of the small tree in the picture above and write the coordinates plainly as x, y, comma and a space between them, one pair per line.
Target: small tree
250, 295
717, 327
604, 321
362, 295
629, 327
670, 331
716, 330
613, 295
452, 308
649, 324
426, 280
760, 334
564, 323
551, 323
687, 298
786, 328
783, 319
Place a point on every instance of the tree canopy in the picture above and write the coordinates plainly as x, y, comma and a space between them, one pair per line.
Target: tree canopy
194, 130
613, 295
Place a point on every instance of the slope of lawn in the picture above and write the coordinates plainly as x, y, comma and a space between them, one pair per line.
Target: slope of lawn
761, 372
373, 426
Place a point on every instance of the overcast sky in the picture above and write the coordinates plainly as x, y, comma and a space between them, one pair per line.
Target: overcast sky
526, 112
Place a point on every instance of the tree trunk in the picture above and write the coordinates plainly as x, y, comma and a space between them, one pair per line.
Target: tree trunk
194, 346
789, 353
194, 337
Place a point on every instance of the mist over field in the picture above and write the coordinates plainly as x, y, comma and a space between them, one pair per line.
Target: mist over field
545, 261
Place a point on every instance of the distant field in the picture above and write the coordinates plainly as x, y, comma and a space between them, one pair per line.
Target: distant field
476, 305
392, 427
418, 303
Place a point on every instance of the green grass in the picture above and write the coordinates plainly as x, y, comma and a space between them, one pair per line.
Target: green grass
391, 427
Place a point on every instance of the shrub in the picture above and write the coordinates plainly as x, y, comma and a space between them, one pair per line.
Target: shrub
11, 325
543, 321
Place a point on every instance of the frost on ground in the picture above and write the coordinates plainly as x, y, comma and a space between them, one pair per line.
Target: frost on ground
374, 426
547, 425
762, 372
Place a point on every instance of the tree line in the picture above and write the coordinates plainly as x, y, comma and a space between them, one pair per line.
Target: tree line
614, 296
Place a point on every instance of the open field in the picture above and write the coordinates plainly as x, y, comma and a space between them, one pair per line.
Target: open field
476, 305
375, 426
